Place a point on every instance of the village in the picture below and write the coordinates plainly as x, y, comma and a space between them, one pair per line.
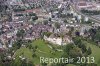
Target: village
23, 20
54, 22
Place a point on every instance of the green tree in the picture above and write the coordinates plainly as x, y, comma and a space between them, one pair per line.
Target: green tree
20, 33
34, 18
75, 52
89, 51
65, 21
57, 25
67, 48
47, 34
83, 47
17, 44
77, 40
45, 22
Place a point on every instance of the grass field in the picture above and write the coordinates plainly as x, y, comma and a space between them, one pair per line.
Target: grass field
43, 50
23, 52
95, 53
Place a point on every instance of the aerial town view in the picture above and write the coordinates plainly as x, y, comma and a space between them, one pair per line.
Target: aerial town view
49, 32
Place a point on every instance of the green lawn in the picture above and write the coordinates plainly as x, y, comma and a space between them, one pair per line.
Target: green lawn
42, 46
25, 52
43, 50
95, 53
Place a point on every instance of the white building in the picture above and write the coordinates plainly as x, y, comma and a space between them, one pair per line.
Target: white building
58, 40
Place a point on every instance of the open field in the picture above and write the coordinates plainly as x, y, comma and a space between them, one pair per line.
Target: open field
95, 53
43, 50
